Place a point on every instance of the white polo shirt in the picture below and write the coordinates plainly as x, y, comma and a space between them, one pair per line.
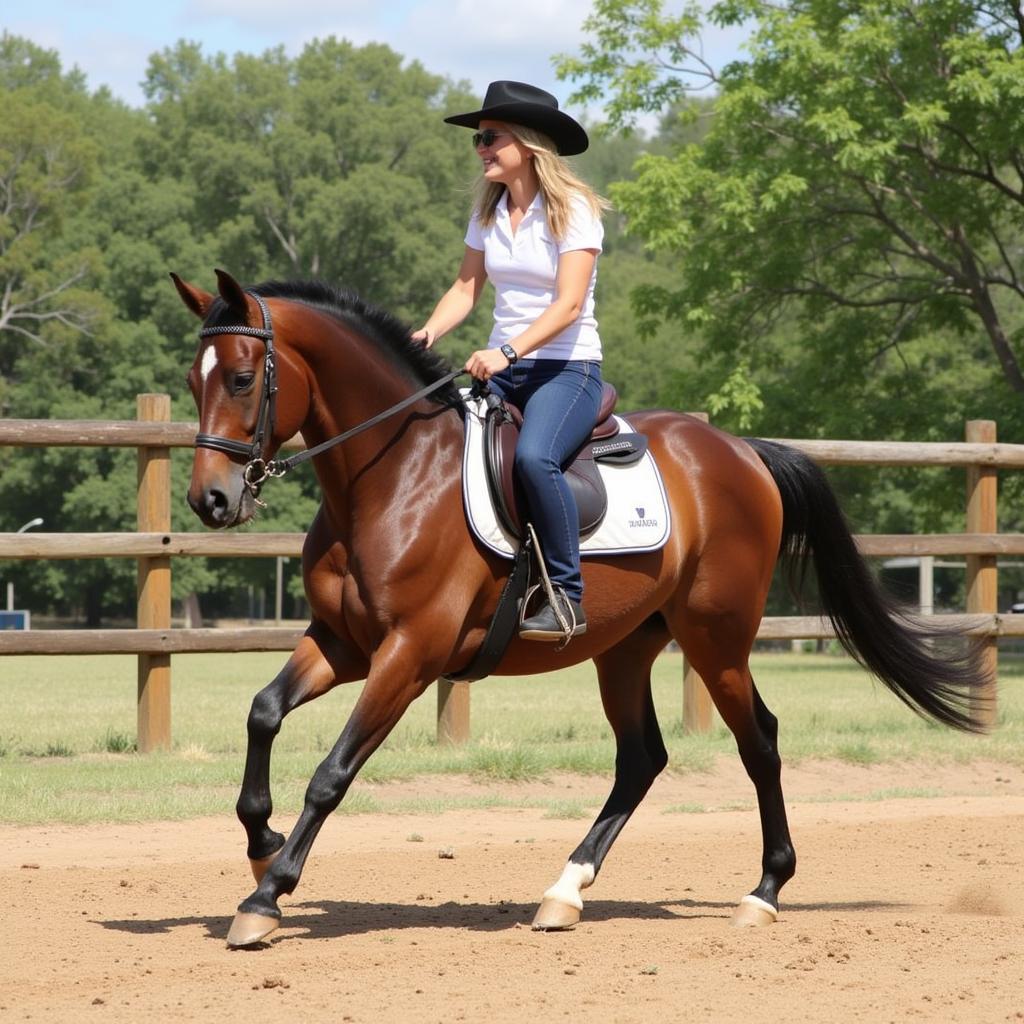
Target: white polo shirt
523, 266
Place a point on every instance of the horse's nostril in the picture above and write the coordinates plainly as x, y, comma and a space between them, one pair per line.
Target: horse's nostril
216, 503
211, 506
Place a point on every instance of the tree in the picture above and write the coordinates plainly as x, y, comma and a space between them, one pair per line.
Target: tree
335, 164
863, 177
46, 166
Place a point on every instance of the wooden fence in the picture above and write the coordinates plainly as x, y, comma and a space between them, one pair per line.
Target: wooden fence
154, 545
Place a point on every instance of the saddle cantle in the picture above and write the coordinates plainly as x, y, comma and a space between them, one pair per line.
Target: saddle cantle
501, 434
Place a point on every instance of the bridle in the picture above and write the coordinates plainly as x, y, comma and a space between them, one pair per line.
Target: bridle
259, 469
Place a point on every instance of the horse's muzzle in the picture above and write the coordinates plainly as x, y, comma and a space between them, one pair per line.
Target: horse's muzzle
216, 508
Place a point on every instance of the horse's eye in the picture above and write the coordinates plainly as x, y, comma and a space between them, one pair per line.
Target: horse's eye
243, 381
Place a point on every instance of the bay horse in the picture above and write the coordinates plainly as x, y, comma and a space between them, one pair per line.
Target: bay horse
401, 593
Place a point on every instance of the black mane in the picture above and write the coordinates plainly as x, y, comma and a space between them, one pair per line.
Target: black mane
423, 366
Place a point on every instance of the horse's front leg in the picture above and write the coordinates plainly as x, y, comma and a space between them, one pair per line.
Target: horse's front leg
319, 662
397, 676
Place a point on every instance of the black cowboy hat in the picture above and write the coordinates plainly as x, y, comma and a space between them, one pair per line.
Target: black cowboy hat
519, 103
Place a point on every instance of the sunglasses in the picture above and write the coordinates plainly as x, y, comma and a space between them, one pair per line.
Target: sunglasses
486, 137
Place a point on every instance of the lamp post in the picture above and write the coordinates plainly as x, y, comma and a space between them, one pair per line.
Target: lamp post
10, 586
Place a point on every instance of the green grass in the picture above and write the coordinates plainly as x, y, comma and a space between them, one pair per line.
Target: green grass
67, 736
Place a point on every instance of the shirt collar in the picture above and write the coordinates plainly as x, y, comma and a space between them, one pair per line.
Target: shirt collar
536, 204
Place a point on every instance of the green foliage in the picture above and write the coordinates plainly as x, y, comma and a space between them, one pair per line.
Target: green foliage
845, 236
626, 35
739, 395
334, 164
117, 743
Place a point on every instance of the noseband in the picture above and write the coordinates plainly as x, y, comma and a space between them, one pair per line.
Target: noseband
258, 469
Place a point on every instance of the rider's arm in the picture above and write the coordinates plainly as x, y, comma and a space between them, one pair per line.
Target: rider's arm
458, 302
571, 283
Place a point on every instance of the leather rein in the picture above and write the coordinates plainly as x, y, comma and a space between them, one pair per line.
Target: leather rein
259, 469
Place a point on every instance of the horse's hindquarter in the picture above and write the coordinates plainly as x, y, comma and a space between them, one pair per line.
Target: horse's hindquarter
709, 473
727, 514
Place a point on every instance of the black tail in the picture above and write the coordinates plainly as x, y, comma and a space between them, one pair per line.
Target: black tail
867, 622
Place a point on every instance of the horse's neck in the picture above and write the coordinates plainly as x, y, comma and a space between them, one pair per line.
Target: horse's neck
389, 460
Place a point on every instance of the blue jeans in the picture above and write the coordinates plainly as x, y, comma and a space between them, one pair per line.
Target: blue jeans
559, 400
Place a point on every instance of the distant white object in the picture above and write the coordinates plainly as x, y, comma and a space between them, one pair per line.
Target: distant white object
10, 586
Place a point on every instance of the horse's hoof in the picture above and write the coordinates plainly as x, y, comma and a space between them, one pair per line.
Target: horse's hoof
555, 916
753, 912
250, 929
259, 867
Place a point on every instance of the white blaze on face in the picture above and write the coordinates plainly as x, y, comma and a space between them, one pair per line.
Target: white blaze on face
209, 361
575, 878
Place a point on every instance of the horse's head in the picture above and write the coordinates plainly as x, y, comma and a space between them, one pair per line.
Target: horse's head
234, 382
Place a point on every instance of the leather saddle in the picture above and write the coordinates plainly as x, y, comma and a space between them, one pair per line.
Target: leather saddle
606, 443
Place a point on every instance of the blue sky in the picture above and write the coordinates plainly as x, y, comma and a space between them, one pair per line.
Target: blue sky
477, 40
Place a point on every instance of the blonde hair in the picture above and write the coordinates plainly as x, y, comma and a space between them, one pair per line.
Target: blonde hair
558, 184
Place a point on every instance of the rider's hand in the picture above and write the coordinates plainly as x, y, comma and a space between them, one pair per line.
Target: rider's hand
425, 335
485, 363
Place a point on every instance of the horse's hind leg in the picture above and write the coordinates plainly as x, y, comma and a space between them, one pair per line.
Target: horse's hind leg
318, 663
721, 661
624, 674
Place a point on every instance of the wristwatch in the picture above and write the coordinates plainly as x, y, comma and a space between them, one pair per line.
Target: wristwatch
509, 353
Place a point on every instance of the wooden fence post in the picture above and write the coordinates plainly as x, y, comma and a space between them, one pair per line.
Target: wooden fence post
697, 706
698, 710
982, 575
154, 582
452, 712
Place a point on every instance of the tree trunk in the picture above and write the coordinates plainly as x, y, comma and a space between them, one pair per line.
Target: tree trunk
193, 616
1000, 343
93, 606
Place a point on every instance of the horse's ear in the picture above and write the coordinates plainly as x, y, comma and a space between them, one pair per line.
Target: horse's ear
195, 298
232, 292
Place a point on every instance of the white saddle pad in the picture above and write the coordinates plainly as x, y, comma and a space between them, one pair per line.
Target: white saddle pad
637, 519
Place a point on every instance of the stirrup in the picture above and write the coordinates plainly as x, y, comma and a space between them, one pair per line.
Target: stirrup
559, 602
554, 623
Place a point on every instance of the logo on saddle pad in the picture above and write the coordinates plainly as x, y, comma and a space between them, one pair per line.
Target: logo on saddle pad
640, 521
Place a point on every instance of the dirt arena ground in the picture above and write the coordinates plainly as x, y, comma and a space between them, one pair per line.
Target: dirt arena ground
901, 910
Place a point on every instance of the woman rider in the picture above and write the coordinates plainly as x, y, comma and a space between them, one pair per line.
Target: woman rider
535, 233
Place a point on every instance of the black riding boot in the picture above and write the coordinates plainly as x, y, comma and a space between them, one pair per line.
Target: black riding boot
544, 625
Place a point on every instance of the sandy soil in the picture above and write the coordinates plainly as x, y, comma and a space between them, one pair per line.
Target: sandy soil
901, 910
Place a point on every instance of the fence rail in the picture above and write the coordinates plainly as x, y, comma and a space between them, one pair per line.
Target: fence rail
140, 434
269, 545
154, 544
284, 638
